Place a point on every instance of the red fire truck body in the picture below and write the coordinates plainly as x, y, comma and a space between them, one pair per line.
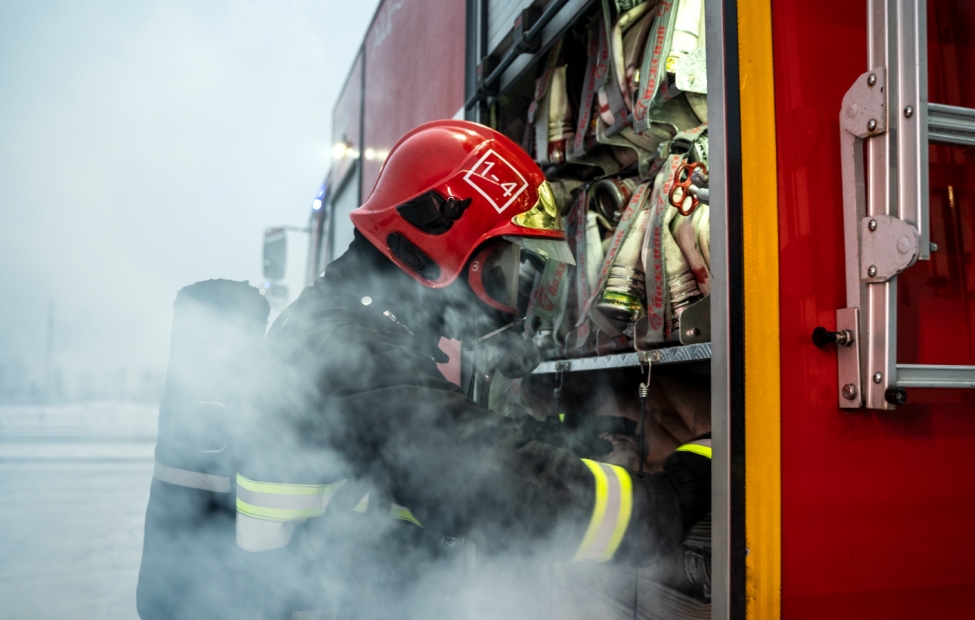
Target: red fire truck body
829, 500
877, 505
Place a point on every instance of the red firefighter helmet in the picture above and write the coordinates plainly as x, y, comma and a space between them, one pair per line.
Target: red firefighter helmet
450, 187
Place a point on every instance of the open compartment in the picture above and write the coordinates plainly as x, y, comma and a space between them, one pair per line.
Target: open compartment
610, 99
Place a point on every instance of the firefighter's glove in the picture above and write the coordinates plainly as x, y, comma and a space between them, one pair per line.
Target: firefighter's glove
665, 506
581, 435
691, 474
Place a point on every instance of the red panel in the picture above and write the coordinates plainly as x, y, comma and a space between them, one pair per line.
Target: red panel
951, 52
414, 73
877, 507
345, 120
936, 298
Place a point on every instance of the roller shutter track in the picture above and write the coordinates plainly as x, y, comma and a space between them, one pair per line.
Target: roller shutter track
501, 17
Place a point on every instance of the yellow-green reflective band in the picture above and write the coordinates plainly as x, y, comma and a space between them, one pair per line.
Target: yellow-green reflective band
278, 488
403, 514
696, 449
283, 502
363, 504
610, 515
276, 514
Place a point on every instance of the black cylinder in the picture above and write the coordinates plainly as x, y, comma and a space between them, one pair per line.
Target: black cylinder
189, 552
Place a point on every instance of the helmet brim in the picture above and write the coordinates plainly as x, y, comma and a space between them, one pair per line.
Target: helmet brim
547, 248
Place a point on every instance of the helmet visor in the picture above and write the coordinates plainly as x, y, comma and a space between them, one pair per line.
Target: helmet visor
547, 248
494, 276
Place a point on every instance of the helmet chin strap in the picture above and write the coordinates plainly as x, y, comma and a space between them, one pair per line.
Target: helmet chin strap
507, 351
513, 323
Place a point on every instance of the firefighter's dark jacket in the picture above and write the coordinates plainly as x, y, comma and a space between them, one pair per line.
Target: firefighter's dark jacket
353, 393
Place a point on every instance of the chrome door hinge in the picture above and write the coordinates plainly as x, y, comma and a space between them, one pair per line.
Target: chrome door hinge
888, 246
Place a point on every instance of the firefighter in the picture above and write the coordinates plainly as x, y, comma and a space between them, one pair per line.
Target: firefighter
363, 463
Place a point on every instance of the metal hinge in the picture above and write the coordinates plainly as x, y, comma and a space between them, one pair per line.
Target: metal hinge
888, 246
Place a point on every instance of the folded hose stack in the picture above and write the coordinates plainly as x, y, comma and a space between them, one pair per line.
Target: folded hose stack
618, 121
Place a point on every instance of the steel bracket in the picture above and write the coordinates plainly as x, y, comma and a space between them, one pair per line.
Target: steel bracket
865, 105
695, 322
863, 127
888, 246
848, 360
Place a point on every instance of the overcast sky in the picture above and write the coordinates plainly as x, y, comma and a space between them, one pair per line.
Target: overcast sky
145, 145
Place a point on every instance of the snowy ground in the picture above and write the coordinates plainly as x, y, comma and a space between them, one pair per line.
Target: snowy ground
74, 482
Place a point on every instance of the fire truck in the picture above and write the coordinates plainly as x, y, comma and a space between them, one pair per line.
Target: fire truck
773, 204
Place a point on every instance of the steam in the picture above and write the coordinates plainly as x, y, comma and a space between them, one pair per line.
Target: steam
145, 147
363, 405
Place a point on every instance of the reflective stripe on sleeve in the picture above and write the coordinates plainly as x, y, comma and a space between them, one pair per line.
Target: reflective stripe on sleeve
699, 446
191, 479
283, 502
396, 511
403, 514
363, 504
610, 515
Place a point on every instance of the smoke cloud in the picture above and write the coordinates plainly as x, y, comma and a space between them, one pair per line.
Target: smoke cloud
146, 145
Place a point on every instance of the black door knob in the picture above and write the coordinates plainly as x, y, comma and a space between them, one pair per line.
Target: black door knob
895, 395
822, 337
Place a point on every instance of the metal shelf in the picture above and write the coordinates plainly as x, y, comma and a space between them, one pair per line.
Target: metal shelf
668, 355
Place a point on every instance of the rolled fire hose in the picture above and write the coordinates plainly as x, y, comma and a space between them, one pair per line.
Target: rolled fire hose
652, 67
702, 225
634, 44
686, 30
702, 215
625, 287
614, 102
594, 248
680, 280
686, 237
608, 198
561, 129
623, 297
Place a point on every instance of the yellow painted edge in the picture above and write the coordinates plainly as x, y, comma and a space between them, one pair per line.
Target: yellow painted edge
763, 491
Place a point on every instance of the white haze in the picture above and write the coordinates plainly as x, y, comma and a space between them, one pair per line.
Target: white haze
145, 146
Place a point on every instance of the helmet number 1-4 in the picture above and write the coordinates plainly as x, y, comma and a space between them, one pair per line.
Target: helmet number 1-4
497, 180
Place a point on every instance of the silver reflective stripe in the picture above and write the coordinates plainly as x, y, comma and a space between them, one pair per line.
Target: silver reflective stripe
613, 494
263, 535
191, 479
611, 512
